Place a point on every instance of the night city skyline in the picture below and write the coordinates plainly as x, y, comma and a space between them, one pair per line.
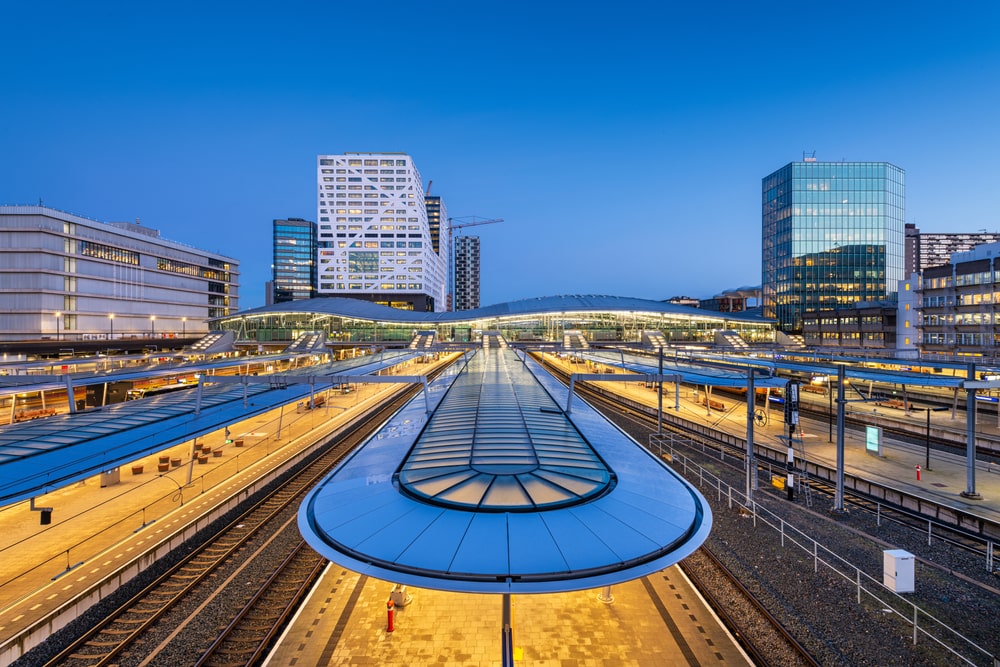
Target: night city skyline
624, 151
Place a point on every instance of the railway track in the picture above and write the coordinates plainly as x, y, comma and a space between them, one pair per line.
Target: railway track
126, 635
256, 625
954, 557
749, 620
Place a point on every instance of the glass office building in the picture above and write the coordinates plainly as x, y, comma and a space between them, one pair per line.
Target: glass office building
294, 267
832, 236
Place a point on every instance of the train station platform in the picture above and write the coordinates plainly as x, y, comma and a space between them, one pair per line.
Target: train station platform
104, 528
652, 621
944, 483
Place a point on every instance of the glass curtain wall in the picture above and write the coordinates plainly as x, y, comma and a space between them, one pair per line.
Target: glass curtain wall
832, 235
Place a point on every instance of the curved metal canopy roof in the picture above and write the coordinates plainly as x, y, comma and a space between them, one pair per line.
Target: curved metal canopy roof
520, 511
365, 310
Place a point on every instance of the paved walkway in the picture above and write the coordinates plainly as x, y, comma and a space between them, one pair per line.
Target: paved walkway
652, 622
945, 482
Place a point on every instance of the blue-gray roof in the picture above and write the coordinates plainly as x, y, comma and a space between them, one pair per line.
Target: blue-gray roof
577, 503
365, 310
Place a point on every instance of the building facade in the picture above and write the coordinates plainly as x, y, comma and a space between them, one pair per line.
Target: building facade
960, 305
832, 235
861, 328
466, 272
66, 277
374, 237
293, 268
925, 249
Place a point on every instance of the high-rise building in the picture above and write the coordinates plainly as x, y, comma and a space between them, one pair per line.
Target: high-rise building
294, 263
438, 224
832, 236
374, 238
67, 277
466, 272
927, 249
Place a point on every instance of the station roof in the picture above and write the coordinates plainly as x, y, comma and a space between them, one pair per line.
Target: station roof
41, 455
853, 371
365, 310
539, 501
692, 373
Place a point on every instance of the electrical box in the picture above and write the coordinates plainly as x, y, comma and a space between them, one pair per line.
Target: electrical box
898, 570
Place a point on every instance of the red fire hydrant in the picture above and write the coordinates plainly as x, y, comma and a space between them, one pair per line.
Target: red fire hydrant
918, 472
392, 615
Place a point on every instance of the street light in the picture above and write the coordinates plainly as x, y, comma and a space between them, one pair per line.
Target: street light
58, 327
184, 326
152, 326
927, 437
111, 320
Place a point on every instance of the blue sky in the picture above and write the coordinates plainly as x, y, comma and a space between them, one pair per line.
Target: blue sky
623, 144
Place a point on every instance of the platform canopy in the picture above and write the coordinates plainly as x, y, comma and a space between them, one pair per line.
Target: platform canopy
497, 490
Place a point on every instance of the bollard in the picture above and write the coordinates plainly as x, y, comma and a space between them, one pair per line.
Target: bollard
392, 615
918, 471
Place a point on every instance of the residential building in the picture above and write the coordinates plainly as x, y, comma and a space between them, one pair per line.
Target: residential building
832, 235
374, 237
66, 277
960, 305
466, 272
294, 264
926, 249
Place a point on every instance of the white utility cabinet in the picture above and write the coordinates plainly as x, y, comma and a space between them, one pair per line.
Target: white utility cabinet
897, 574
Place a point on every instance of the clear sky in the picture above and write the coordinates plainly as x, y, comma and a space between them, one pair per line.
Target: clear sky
622, 143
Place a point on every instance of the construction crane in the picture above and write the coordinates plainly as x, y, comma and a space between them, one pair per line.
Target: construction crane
453, 224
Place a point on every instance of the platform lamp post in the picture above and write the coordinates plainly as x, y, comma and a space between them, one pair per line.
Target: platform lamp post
111, 322
927, 436
58, 326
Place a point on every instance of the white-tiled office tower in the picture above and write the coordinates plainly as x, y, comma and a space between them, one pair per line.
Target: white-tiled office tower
374, 238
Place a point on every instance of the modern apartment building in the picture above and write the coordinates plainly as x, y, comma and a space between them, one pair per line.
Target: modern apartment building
832, 235
960, 305
293, 267
66, 277
374, 236
466, 272
927, 249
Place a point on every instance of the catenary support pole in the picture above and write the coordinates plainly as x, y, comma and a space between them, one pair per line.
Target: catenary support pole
751, 471
970, 448
838, 498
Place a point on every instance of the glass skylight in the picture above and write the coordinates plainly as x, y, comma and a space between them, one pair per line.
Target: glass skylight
499, 442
